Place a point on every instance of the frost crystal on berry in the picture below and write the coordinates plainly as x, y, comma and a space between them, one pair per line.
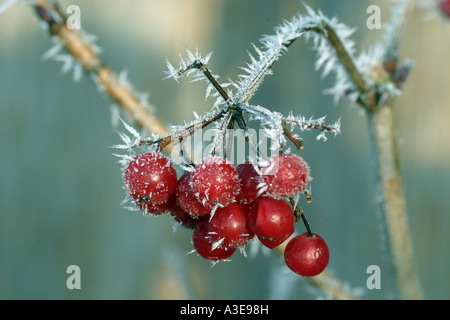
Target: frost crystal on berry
216, 181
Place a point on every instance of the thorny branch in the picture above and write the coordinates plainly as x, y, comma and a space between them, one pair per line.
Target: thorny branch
180, 135
236, 107
344, 57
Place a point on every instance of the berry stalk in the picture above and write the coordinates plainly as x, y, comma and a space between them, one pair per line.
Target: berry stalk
299, 214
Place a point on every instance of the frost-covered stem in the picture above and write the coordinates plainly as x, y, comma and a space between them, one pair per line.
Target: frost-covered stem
213, 81
220, 149
344, 58
229, 139
321, 126
391, 201
296, 141
248, 138
188, 160
383, 139
197, 64
394, 29
49, 13
180, 135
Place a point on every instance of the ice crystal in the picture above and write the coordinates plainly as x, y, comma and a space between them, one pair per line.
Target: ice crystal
69, 63
392, 28
370, 61
193, 66
129, 143
187, 65
216, 244
312, 25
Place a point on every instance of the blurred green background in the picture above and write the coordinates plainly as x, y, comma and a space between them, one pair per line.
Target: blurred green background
61, 188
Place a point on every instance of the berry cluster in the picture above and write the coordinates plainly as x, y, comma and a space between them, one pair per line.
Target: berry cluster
228, 206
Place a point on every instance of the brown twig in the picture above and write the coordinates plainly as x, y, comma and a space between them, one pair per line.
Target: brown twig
180, 135
296, 141
344, 58
49, 13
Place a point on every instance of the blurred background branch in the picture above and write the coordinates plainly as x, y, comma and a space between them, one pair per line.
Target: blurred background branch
55, 21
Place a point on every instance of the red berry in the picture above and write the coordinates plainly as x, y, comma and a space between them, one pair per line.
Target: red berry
444, 5
307, 256
286, 175
186, 198
185, 219
206, 247
150, 177
151, 208
230, 223
215, 181
250, 182
275, 242
271, 218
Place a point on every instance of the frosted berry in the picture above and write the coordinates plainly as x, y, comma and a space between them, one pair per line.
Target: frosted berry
206, 247
250, 182
307, 256
271, 218
275, 242
150, 177
186, 198
230, 223
286, 175
444, 6
151, 208
215, 181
